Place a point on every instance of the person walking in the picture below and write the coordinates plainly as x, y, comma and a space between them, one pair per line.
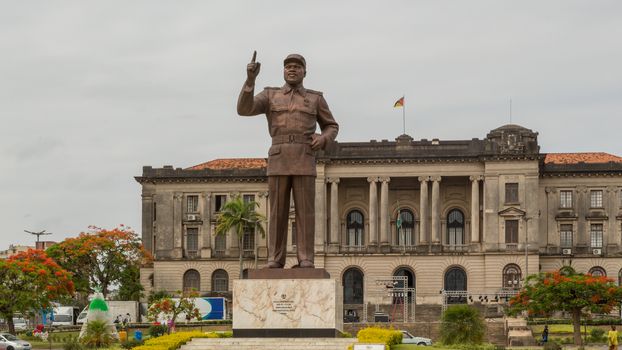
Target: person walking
612, 338
545, 335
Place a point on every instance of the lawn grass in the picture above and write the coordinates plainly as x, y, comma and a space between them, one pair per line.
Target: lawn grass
410, 346
560, 328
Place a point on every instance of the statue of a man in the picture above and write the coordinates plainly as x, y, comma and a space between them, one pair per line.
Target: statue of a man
293, 114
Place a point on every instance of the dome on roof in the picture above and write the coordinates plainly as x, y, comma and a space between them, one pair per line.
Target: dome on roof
508, 127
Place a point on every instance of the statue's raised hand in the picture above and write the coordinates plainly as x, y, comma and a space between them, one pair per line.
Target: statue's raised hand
252, 69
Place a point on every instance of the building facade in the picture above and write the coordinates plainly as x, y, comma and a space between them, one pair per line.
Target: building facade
473, 216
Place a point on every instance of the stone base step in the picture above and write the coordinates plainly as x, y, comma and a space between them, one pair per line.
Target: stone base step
269, 343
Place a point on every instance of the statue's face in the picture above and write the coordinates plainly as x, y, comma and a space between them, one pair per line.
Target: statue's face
294, 73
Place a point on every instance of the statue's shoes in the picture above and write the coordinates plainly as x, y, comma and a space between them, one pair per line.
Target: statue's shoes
274, 265
306, 264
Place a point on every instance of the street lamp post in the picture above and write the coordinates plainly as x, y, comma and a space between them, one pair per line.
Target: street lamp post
40, 233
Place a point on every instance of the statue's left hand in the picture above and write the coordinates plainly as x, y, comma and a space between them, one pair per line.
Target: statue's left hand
317, 142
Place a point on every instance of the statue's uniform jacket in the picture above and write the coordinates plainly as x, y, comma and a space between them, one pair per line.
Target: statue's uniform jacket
290, 112
293, 115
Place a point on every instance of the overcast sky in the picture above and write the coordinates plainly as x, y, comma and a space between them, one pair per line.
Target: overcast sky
90, 91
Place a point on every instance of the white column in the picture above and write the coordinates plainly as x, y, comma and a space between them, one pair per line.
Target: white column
320, 214
475, 208
423, 210
384, 211
373, 211
334, 211
436, 215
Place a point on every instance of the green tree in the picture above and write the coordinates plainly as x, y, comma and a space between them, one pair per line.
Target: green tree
31, 281
240, 216
99, 258
575, 293
462, 324
130, 287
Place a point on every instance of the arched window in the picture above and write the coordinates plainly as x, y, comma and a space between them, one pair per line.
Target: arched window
456, 280
192, 281
455, 228
405, 228
354, 228
353, 286
620, 277
597, 271
220, 281
410, 282
511, 277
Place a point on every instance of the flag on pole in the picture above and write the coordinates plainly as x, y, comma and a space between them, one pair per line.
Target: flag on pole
399, 103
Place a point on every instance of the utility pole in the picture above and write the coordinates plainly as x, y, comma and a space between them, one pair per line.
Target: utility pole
38, 234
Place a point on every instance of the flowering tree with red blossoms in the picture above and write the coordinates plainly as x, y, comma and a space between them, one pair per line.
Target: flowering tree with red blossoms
100, 258
575, 293
31, 281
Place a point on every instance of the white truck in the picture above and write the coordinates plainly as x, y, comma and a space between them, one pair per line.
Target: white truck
119, 310
61, 316
210, 308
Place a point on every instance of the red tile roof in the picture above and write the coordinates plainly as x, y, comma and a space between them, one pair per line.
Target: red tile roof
232, 163
575, 158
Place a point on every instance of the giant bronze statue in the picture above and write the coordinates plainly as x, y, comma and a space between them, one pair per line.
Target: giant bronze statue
293, 113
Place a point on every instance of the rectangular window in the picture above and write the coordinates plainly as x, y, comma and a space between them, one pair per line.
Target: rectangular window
220, 243
565, 199
511, 192
596, 199
511, 231
565, 235
248, 241
219, 201
192, 241
192, 204
596, 235
248, 198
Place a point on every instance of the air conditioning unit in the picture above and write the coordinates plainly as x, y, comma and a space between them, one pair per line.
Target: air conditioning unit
597, 251
567, 251
192, 217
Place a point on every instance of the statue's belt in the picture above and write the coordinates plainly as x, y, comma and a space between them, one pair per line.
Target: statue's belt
280, 139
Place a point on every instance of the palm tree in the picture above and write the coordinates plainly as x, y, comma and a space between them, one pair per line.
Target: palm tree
240, 216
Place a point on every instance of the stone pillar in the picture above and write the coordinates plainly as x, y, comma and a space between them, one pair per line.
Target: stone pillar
373, 211
436, 215
475, 208
384, 211
334, 214
423, 210
206, 227
583, 231
177, 225
147, 222
320, 214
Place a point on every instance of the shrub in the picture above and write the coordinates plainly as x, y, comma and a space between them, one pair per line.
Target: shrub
97, 335
157, 330
72, 344
552, 346
597, 335
462, 324
176, 340
129, 344
379, 335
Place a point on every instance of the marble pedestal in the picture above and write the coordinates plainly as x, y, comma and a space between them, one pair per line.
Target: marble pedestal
287, 307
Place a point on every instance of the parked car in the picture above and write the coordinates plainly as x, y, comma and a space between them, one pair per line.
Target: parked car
10, 342
408, 338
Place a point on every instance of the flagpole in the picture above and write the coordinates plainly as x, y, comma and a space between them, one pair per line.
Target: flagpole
404, 113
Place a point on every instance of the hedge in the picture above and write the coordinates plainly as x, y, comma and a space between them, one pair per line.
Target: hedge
175, 340
379, 335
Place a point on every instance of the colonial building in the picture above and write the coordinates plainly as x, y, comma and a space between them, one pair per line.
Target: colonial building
467, 215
